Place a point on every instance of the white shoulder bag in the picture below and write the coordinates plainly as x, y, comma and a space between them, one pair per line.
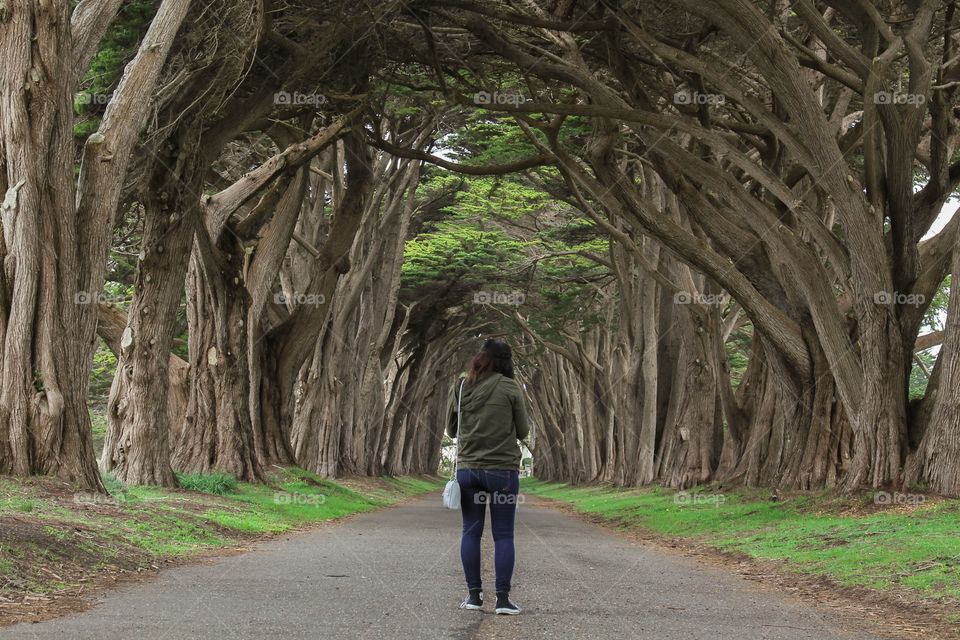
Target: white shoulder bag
451, 493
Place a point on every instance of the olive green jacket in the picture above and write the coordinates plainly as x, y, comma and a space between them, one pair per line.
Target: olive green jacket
493, 419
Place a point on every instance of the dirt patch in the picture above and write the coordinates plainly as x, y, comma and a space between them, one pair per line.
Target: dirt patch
896, 611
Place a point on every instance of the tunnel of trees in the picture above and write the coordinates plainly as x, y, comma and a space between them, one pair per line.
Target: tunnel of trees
717, 233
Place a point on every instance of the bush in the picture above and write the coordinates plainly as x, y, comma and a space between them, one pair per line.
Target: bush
114, 487
219, 484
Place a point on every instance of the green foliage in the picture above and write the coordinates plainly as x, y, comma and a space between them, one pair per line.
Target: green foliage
15, 504
738, 353
181, 346
459, 252
918, 378
490, 140
164, 534
118, 47
113, 486
936, 313
497, 197
102, 373
218, 484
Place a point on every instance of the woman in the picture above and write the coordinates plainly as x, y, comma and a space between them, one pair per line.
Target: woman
492, 420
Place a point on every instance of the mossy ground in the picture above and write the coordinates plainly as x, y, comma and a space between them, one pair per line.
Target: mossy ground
56, 540
910, 542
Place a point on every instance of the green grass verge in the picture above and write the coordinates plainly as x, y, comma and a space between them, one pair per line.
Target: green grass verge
851, 540
53, 539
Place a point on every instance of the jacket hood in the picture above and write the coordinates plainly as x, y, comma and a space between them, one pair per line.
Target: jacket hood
475, 395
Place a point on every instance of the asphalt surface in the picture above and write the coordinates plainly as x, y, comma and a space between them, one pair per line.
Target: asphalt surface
396, 574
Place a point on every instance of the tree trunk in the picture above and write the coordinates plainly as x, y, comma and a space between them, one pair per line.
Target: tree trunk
274, 394
110, 326
937, 459
218, 434
138, 443
46, 326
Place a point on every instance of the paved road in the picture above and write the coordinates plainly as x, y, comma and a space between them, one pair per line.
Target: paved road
395, 574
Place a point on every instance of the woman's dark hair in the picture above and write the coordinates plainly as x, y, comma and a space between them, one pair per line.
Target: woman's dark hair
494, 356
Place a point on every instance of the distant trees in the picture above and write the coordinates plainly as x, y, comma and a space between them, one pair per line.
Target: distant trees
810, 150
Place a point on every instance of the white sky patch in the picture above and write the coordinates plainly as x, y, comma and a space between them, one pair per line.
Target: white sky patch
946, 213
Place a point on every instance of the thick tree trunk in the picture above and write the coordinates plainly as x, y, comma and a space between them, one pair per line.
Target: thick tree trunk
138, 448
218, 434
429, 360
308, 294
274, 403
880, 426
110, 326
546, 437
46, 327
937, 459
239, 250
690, 444
550, 444
138, 444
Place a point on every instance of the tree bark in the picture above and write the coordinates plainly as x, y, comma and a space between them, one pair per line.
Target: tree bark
937, 459
138, 447
218, 434
138, 444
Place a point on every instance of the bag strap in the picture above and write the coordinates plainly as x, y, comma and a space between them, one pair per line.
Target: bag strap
456, 451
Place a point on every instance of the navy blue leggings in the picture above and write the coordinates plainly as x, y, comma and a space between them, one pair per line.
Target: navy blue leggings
478, 488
